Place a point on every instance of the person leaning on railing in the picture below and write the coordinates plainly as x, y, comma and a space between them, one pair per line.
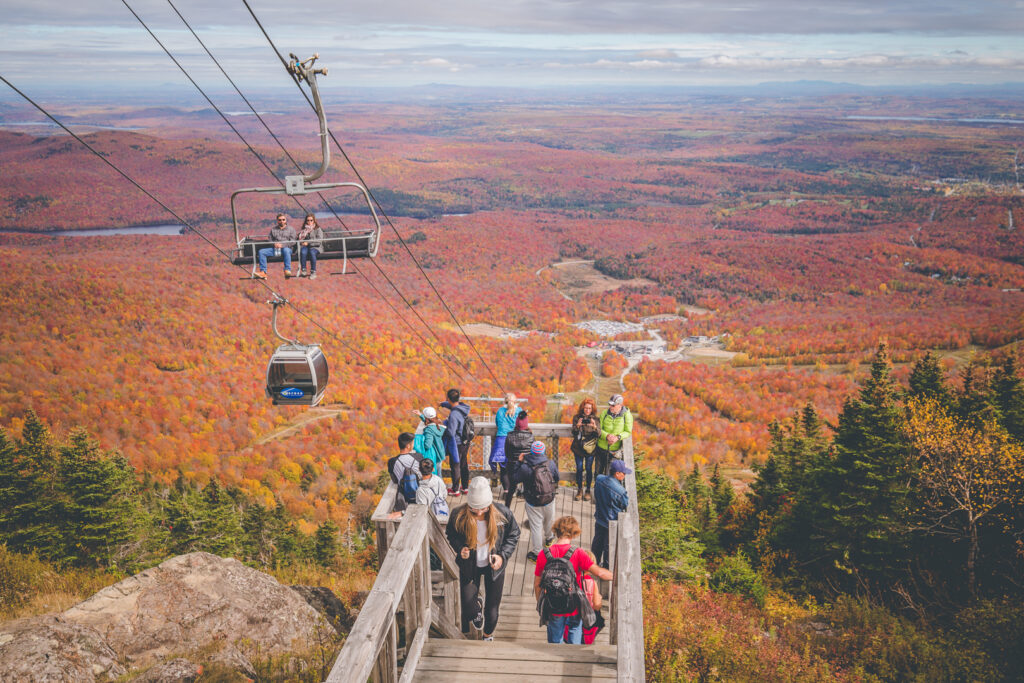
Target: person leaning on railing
616, 424
610, 498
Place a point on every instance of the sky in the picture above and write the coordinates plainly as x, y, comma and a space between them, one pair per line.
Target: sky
98, 44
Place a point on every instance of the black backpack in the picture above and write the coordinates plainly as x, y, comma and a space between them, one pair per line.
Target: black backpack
559, 590
542, 487
468, 430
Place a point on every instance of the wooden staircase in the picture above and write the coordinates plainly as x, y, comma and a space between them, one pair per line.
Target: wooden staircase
408, 629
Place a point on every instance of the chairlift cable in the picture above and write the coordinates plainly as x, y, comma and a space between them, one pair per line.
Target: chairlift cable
326, 203
206, 239
258, 116
380, 207
212, 104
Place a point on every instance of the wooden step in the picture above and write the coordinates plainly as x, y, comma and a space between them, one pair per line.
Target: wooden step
454, 661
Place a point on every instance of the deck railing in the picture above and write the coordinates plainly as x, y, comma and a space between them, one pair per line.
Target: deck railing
394, 623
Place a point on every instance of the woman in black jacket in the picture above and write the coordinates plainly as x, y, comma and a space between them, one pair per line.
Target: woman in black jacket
483, 534
585, 430
517, 446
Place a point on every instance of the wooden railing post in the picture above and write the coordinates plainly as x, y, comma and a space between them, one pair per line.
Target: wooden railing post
371, 649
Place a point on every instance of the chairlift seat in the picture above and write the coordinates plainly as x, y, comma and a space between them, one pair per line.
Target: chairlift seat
338, 244
297, 375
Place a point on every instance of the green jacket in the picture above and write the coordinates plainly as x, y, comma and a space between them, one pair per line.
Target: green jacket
621, 424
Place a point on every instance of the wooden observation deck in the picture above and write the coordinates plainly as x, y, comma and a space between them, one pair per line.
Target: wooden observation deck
409, 627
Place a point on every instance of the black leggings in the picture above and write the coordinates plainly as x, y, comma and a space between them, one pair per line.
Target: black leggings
470, 586
508, 473
588, 460
460, 470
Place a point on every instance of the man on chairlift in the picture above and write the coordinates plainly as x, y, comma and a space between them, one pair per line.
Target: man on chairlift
283, 236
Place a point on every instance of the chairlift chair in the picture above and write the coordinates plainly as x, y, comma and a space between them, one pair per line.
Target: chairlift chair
296, 373
338, 244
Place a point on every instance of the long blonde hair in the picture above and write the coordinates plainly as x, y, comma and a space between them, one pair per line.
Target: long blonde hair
466, 524
510, 403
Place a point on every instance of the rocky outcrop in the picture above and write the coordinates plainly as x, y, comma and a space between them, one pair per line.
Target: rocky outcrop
45, 649
172, 671
198, 602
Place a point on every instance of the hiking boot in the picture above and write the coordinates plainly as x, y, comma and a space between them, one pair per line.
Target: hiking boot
579, 494
586, 495
302, 273
260, 275
287, 273
312, 276
531, 556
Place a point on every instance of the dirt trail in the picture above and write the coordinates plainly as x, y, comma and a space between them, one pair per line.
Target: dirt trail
311, 415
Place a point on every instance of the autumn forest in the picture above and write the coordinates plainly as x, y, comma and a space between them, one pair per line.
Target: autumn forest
811, 266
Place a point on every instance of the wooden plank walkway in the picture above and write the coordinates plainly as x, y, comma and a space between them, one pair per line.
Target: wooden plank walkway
520, 648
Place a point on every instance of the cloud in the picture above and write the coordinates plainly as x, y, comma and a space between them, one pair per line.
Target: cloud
860, 62
658, 54
556, 16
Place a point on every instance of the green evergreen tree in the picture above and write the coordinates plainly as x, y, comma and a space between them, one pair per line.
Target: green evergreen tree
1008, 391
767, 491
258, 541
9, 481
928, 381
100, 508
36, 517
977, 401
863, 503
722, 494
218, 521
325, 543
668, 533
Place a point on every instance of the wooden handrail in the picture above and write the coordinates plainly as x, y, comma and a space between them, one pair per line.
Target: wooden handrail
627, 627
403, 584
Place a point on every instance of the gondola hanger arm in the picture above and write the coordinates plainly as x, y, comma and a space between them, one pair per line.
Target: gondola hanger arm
277, 302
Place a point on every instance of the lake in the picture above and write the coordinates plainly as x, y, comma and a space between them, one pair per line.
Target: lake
136, 230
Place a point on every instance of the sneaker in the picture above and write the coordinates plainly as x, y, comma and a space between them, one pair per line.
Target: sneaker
488, 639
302, 273
531, 556
478, 620
312, 276
287, 273
454, 493
465, 492
260, 275
549, 540
579, 494
586, 495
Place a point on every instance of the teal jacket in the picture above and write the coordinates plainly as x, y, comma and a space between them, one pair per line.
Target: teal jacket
504, 422
433, 446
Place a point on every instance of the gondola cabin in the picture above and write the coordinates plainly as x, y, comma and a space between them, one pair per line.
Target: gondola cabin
297, 375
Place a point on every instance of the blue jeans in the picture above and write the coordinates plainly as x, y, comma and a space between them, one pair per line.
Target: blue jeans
584, 462
556, 629
311, 253
269, 251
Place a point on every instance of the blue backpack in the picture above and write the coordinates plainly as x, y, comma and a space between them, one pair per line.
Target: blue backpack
409, 484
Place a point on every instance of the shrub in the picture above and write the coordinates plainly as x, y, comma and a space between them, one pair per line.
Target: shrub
735, 575
714, 637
